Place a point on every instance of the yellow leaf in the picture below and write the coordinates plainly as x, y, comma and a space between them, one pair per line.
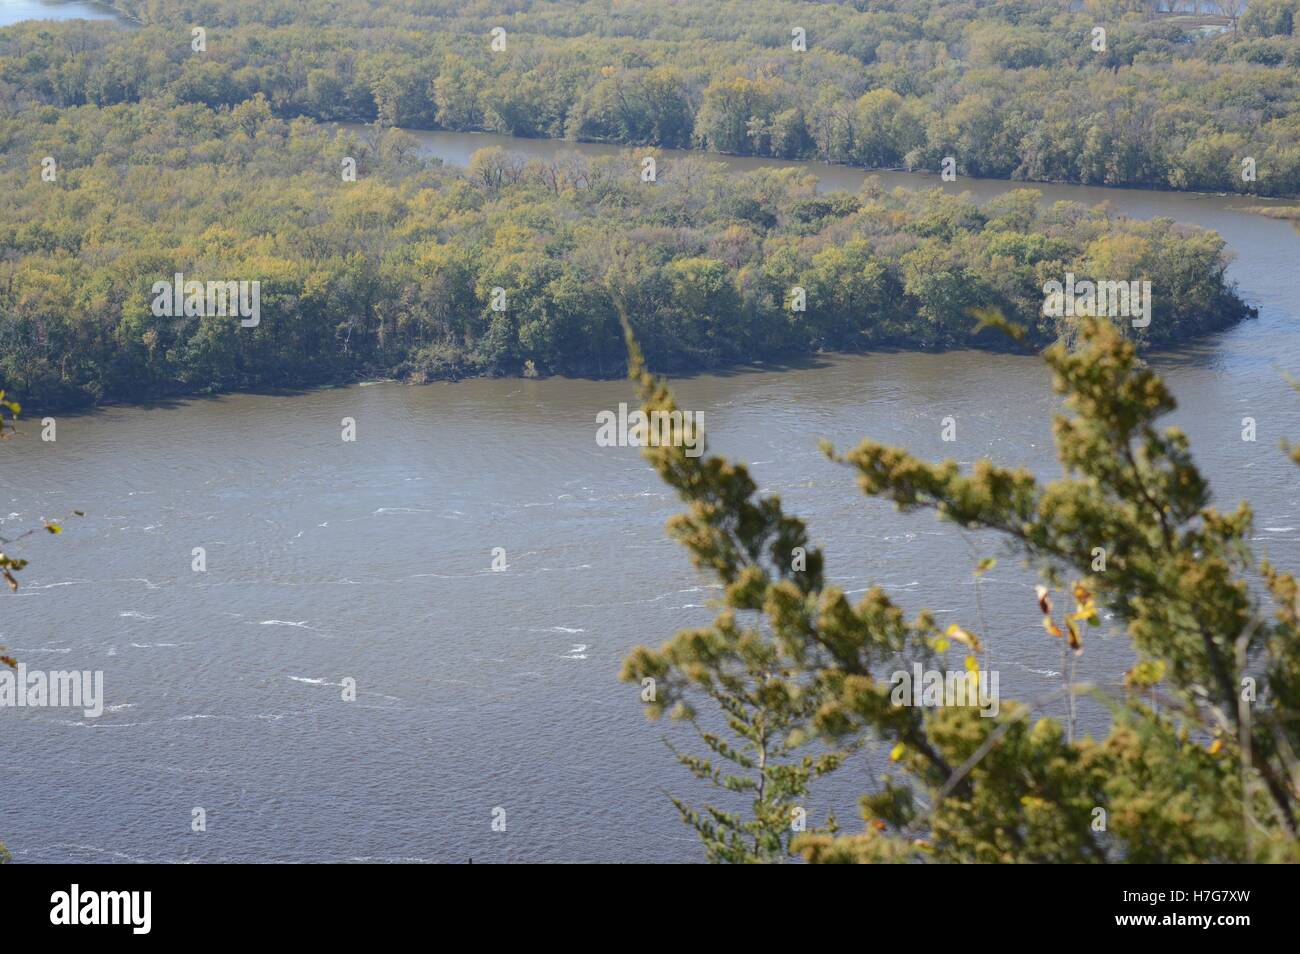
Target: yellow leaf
897, 752
960, 635
1085, 611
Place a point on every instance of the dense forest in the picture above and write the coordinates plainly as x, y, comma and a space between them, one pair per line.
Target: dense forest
510, 266
1007, 89
129, 154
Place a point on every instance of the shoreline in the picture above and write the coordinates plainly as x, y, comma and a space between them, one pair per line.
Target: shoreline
1293, 199
776, 363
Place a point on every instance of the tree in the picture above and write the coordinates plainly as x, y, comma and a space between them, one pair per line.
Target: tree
668, 107
1207, 774
758, 694
724, 123
251, 114
455, 94
1270, 17
1231, 9
493, 168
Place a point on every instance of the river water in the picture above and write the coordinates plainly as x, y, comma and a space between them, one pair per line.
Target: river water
478, 689
12, 11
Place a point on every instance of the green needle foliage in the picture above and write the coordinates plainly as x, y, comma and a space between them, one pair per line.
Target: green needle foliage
1209, 774
755, 683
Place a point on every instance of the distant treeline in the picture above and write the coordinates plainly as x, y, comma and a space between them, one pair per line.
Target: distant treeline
1008, 89
394, 273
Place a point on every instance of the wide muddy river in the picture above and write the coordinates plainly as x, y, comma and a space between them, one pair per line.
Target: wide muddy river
477, 689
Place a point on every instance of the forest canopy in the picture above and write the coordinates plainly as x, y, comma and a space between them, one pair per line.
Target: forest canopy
1007, 89
419, 271
200, 142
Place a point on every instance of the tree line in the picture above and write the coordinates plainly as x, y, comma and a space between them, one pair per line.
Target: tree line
419, 271
1008, 90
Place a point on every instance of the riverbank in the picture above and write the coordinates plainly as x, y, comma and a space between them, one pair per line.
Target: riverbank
457, 147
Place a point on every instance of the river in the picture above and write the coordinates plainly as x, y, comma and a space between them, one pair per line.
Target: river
12, 11
478, 690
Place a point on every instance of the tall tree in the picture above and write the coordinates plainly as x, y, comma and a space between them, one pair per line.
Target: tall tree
1209, 774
